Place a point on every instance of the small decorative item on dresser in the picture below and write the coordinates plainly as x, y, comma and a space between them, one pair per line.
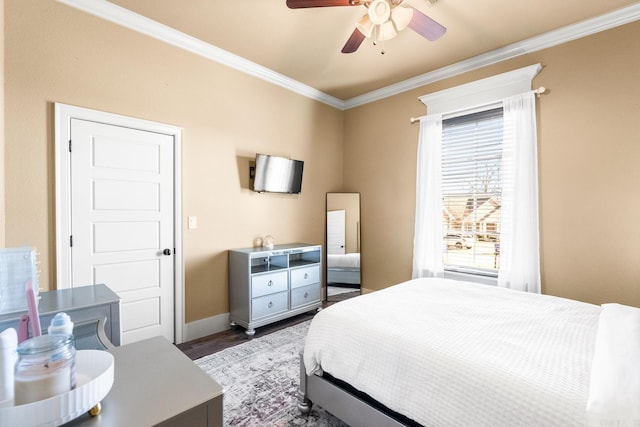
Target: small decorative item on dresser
18, 266
8, 358
61, 324
46, 368
267, 241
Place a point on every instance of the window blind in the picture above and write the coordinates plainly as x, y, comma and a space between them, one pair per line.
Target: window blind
471, 191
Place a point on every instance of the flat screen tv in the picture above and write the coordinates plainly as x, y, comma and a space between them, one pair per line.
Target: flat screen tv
277, 174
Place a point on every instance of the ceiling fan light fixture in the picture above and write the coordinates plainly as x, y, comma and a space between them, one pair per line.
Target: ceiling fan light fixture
365, 26
379, 11
383, 21
386, 31
401, 16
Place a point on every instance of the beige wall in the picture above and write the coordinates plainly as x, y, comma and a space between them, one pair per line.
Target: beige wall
589, 152
54, 53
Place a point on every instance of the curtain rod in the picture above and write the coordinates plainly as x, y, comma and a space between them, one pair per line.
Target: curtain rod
538, 92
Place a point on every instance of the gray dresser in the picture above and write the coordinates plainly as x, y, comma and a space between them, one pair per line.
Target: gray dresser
94, 311
267, 285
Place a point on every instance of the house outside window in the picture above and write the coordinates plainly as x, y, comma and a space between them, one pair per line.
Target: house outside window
472, 191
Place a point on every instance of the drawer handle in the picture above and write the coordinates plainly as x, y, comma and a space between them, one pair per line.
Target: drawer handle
270, 283
306, 276
270, 304
306, 294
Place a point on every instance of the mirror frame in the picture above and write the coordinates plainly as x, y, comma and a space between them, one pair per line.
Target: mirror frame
349, 241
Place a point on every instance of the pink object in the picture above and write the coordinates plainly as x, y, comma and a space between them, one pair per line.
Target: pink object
23, 328
34, 317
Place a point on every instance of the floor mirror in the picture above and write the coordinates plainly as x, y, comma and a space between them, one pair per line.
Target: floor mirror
343, 246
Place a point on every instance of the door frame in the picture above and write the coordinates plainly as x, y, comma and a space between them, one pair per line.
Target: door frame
62, 119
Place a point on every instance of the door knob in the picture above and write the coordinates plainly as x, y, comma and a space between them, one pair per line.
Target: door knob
167, 252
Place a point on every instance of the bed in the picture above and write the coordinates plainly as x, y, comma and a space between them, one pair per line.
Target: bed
343, 268
437, 352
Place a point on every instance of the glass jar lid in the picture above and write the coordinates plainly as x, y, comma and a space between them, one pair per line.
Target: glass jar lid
44, 343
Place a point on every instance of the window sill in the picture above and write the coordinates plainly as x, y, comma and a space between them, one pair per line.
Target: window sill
468, 277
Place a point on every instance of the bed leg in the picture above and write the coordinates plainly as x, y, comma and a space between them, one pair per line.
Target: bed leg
304, 404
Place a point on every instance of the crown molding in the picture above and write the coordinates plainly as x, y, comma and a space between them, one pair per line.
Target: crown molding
136, 22
133, 21
542, 41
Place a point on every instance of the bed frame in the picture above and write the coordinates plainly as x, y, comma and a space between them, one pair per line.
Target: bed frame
338, 275
352, 407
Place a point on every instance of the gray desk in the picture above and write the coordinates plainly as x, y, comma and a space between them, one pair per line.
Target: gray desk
156, 384
94, 310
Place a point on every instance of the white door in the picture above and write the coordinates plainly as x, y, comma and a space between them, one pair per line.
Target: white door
122, 225
336, 232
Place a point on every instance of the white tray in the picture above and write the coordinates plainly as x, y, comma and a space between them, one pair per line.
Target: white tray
94, 378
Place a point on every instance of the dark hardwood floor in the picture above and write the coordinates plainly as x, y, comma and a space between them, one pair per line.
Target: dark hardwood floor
213, 343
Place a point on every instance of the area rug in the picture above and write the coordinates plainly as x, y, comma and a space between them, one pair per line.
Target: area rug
260, 380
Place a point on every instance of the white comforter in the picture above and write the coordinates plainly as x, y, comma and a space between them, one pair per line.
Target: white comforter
351, 260
447, 353
614, 389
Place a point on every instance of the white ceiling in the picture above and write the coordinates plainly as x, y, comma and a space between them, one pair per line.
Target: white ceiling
304, 44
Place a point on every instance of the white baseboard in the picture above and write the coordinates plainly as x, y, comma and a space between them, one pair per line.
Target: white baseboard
208, 326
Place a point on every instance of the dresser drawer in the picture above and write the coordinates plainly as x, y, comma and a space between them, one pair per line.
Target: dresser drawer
305, 295
305, 276
269, 305
266, 284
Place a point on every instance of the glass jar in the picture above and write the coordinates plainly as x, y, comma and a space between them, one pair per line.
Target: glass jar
45, 368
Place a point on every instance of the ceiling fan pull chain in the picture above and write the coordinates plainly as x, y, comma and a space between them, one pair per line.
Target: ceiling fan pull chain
376, 38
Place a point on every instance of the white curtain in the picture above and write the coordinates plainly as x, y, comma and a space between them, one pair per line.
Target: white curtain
519, 233
427, 243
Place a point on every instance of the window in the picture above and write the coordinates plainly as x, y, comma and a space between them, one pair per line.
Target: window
477, 210
472, 191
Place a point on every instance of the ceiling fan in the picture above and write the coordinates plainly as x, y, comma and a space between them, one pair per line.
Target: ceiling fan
383, 20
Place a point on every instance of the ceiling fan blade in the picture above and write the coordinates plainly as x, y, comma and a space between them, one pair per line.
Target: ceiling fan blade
299, 4
425, 26
354, 42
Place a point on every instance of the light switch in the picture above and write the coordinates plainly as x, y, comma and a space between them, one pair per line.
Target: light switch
192, 222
